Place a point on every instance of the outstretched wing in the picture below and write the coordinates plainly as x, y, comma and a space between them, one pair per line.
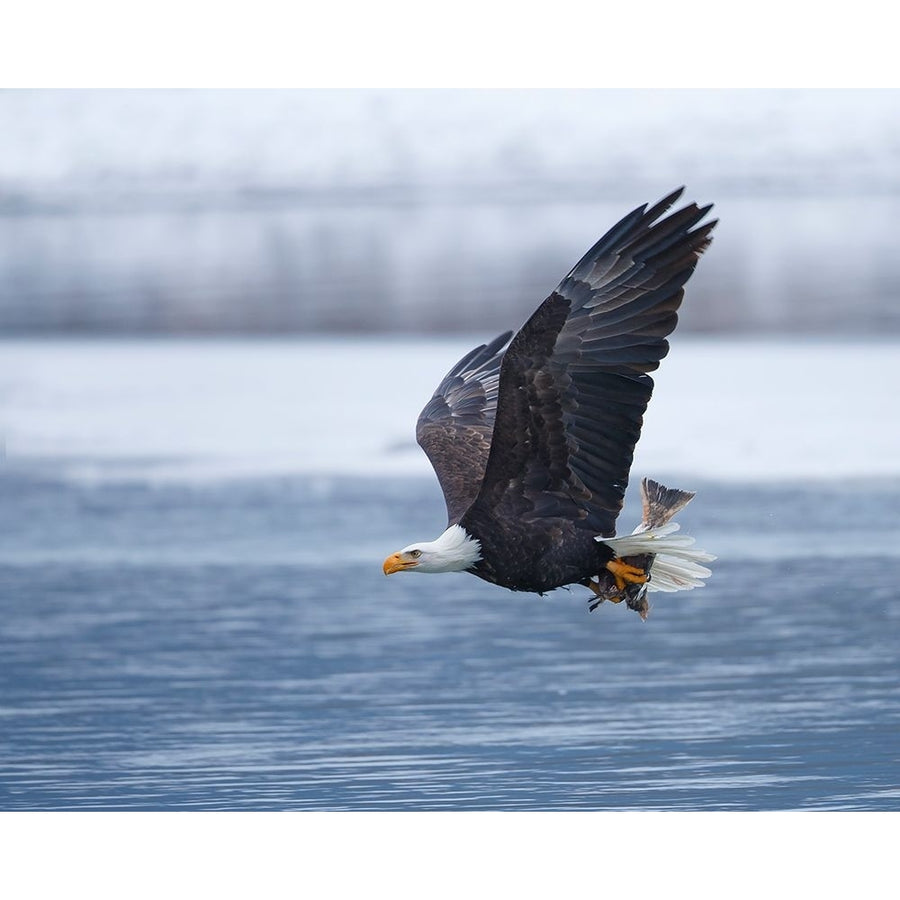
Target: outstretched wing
455, 427
573, 383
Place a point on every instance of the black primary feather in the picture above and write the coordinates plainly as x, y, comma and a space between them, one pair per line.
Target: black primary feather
573, 383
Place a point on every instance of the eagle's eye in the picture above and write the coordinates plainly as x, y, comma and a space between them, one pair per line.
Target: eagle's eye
415, 554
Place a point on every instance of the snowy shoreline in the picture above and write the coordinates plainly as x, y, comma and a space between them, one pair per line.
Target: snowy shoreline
186, 410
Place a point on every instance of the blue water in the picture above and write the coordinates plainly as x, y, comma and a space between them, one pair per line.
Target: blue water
236, 646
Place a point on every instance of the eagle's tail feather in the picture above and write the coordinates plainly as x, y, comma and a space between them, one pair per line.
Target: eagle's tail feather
675, 565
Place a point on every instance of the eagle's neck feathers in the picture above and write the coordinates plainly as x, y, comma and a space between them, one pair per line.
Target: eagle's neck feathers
454, 551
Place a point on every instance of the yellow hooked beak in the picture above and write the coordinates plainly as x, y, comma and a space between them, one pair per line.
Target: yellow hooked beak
397, 562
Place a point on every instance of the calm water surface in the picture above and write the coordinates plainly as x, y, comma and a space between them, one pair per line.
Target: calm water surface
235, 646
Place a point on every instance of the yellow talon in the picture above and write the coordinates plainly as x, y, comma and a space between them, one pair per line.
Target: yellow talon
623, 573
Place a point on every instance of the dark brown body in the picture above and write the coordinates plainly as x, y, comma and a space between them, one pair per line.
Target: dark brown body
522, 558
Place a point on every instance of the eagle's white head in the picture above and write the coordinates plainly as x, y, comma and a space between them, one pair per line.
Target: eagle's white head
454, 551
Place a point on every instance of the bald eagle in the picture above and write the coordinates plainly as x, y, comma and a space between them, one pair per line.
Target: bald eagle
532, 438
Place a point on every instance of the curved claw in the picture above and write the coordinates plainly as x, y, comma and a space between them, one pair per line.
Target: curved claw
602, 593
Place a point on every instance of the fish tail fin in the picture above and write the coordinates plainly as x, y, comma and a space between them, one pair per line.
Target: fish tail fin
660, 503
